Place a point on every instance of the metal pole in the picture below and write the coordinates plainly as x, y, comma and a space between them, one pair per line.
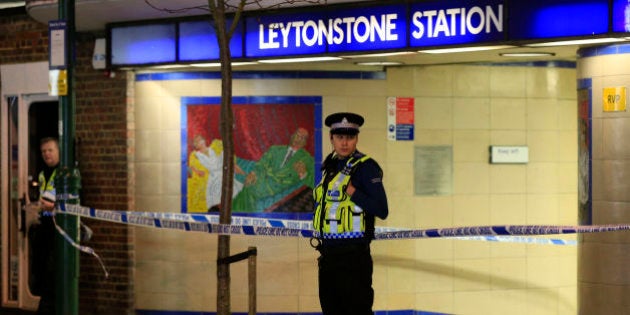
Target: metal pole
251, 267
67, 181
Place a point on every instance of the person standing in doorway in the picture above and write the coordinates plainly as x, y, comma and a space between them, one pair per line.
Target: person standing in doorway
347, 200
44, 235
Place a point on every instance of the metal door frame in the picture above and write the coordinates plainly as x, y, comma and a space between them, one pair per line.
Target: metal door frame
25, 299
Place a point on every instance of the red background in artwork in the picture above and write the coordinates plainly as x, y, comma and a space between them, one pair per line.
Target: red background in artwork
256, 127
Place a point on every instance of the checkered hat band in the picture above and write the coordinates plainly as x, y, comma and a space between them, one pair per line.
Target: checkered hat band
344, 124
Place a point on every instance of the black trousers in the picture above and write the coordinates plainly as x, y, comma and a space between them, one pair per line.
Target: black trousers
42, 236
345, 280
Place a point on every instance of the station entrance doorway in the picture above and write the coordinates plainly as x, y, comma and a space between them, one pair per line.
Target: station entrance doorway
25, 120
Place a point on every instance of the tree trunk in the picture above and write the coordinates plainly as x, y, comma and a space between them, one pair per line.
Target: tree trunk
227, 117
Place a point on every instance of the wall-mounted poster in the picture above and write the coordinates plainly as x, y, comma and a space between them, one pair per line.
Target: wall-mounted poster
277, 142
585, 162
400, 118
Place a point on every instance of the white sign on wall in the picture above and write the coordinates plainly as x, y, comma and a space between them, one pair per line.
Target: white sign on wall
509, 154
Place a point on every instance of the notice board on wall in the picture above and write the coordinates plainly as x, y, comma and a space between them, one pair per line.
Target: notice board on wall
433, 170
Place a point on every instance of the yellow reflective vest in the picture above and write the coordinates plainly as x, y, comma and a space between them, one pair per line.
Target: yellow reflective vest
47, 188
336, 216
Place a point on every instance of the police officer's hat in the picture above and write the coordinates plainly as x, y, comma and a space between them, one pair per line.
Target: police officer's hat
344, 123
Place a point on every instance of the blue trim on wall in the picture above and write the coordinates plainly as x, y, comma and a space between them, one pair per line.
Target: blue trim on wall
184, 158
585, 83
539, 64
614, 49
244, 75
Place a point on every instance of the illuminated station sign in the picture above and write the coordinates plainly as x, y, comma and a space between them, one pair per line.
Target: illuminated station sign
382, 27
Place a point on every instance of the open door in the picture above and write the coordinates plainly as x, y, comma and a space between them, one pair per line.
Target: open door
25, 119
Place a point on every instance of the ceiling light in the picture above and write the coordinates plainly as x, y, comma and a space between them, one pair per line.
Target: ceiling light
218, 64
169, 66
463, 49
379, 63
578, 42
11, 4
527, 54
307, 59
401, 53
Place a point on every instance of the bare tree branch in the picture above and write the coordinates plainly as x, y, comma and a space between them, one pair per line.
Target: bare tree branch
241, 5
239, 12
176, 11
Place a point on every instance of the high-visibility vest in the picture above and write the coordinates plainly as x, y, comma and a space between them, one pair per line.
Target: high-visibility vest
47, 188
336, 216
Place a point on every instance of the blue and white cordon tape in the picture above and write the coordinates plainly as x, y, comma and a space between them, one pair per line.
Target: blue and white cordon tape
209, 223
256, 226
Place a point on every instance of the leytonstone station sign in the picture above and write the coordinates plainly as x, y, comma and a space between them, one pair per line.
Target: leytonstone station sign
355, 28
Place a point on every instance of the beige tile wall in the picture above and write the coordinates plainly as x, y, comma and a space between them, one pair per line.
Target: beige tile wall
466, 107
603, 280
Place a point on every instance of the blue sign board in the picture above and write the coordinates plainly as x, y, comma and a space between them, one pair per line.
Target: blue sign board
379, 27
404, 132
557, 18
456, 22
143, 44
327, 31
198, 41
621, 16
278, 35
367, 29
57, 37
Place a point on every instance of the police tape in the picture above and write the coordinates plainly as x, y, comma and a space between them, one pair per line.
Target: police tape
517, 239
503, 230
209, 223
86, 249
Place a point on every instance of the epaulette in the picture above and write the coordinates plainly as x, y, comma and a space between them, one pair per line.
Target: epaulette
357, 154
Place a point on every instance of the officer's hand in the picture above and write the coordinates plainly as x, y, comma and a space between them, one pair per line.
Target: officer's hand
46, 205
350, 189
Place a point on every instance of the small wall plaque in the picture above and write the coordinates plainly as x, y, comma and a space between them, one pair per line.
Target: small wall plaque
614, 99
509, 154
433, 170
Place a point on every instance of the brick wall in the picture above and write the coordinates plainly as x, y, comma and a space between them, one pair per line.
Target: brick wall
21, 39
101, 128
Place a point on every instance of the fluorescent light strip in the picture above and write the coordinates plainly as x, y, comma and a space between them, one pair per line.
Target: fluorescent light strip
527, 54
218, 64
307, 59
401, 53
578, 42
463, 49
379, 63
169, 67
11, 4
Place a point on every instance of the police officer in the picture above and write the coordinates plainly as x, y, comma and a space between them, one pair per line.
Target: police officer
43, 237
347, 200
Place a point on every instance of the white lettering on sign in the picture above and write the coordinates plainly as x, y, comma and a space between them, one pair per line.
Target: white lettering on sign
456, 22
333, 31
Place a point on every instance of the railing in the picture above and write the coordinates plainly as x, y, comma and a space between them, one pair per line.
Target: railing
250, 255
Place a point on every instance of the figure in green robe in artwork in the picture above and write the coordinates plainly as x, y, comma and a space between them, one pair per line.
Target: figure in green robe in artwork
280, 171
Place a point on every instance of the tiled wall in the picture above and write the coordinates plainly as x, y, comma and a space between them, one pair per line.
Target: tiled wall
467, 107
602, 277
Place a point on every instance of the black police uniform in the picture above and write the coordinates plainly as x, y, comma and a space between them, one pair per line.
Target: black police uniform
345, 265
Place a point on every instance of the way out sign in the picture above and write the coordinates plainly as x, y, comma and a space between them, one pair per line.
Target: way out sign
614, 99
